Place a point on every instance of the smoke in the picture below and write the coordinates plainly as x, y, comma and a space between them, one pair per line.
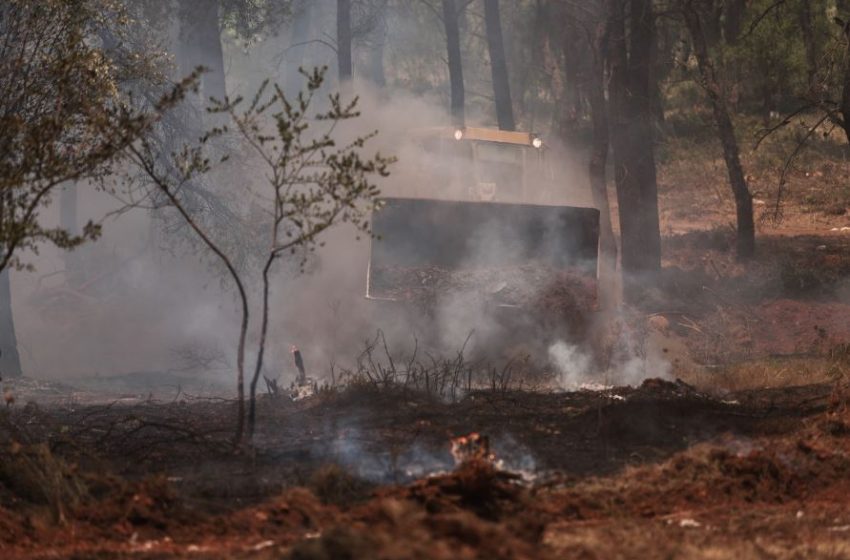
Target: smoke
146, 297
148, 304
513, 456
627, 353
351, 450
572, 364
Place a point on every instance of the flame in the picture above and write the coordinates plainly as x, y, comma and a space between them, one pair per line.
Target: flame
472, 447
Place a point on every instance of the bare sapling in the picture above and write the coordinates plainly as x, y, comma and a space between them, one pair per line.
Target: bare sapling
314, 183
311, 183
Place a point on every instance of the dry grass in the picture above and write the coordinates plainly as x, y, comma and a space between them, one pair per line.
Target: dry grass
768, 373
690, 535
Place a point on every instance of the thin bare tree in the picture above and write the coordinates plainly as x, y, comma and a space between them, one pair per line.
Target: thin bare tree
714, 88
312, 184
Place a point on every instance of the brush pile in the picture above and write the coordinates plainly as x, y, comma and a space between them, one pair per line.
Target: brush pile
529, 286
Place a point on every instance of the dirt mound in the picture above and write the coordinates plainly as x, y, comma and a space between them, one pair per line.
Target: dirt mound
476, 486
288, 516
400, 529
12, 527
148, 507
478, 511
469, 513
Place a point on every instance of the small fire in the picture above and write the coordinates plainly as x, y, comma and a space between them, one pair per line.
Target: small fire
472, 447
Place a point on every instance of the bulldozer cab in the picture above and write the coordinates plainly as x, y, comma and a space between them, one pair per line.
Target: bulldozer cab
481, 164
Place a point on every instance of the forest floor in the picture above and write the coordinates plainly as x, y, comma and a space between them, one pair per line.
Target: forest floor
743, 451
661, 470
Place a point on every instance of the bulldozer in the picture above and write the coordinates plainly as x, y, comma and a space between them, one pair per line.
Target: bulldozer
476, 228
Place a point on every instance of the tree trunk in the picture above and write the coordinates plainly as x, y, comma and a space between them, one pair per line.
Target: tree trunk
343, 39
805, 16
376, 60
732, 21
643, 143
10, 361
572, 99
843, 9
215, 85
458, 103
297, 52
68, 221
628, 199
658, 70
711, 12
498, 65
201, 45
261, 350
845, 92
597, 166
164, 188
726, 132
633, 142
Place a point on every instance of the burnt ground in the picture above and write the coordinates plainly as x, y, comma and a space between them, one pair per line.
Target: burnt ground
156, 479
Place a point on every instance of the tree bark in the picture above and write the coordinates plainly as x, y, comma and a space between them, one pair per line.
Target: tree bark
200, 36
343, 39
633, 141
10, 361
498, 65
745, 244
458, 94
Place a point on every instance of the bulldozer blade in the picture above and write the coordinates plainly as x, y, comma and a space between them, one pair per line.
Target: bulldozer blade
461, 235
